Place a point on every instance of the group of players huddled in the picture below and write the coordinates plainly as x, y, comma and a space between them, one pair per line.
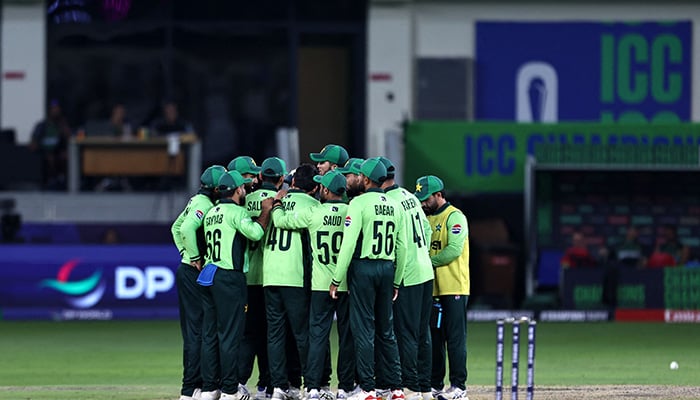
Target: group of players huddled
270, 258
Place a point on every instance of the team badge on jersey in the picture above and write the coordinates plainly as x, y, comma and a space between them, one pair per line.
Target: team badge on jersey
348, 221
456, 229
334, 209
199, 214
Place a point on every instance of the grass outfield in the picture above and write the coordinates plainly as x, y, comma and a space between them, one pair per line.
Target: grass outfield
142, 360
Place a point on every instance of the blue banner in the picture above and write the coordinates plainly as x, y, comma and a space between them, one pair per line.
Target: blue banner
583, 71
88, 282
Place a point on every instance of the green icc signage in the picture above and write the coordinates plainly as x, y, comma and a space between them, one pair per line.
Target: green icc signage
490, 157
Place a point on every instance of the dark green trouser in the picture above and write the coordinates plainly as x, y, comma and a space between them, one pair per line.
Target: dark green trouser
254, 342
452, 332
371, 290
284, 304
346, 344
191, 314
321, 312
225, 309
412, 326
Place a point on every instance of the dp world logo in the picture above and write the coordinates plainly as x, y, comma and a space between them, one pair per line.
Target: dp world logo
80, 294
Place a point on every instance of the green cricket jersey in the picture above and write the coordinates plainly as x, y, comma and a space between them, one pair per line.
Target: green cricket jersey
374, 222
325, 225
286, 252
227, 229
419, 268
187, 230
255, 251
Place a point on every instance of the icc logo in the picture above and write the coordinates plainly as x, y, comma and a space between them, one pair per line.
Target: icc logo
536, 93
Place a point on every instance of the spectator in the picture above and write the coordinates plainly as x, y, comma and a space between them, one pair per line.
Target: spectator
170, 121
119, 124
50, 139
670, 244
630, 251
577, 255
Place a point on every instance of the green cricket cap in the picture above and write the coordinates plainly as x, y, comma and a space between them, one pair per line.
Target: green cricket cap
274, 166
244, 165
210, 176
333, 153
352, 166
333, 180
390, 169
374, 169
232, 180
427, 186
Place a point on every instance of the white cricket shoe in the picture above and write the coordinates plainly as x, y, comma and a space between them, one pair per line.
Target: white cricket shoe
279, 394
211, 395
411, 395
261, 393
196, 395
362, 395
383, 394
453, 393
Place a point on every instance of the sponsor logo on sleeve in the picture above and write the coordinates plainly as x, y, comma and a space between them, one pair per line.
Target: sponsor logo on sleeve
348, 221
456, 229
199, 214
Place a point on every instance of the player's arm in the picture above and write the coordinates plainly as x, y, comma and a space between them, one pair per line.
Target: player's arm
192, 221
175, 232
458, 231
351, 232
401, 243
246, 226
293, 219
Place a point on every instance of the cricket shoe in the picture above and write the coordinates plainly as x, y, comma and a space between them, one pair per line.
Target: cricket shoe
295, 393
453, 393
313, 395
362, 395
211, 395
427, 396
398, 395
326, 394
411, 395
226, 396
279, 394
342, 395
261, 393
196, 395
243, 392
384, 394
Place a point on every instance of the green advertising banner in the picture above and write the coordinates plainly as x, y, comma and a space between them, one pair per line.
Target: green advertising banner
490, 157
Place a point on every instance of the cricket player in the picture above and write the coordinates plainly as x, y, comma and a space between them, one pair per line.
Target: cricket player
227, 229
351, 170
188, 235
414, 304
449, 254
255, 335
372, 260
330, 157
325, 225
286, 268
248, 168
